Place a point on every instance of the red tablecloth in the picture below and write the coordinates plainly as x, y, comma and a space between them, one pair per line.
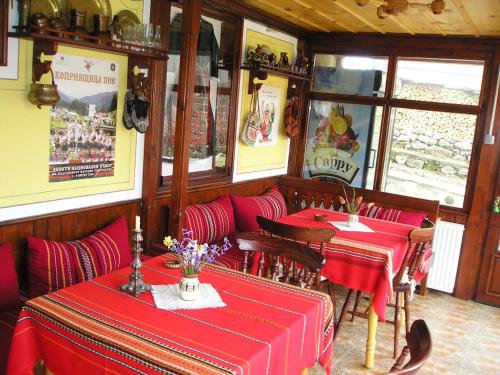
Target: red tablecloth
360, 260
93, 328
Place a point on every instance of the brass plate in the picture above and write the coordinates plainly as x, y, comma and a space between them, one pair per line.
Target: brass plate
92, 7
50, 8
128, 18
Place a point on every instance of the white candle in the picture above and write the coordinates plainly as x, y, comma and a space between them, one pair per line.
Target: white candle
137, 222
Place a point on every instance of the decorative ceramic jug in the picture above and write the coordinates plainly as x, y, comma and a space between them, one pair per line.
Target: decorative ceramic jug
189, 287
352, 220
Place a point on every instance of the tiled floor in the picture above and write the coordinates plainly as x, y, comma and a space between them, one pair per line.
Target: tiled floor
465, 334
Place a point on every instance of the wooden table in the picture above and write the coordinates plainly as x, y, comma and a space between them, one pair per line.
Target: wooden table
94, 328
362, 261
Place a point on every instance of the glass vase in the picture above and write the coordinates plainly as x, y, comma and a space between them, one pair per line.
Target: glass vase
189, 287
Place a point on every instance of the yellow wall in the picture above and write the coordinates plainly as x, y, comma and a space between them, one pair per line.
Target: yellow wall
25, 129
253, 159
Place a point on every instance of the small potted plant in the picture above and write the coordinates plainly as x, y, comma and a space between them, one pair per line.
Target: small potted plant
352, 205
192, 257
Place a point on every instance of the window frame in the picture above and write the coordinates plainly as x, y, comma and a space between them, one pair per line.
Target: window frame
388, 102
216, 175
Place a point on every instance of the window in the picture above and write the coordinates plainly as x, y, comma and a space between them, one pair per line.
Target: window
342, 136
430, 150
428, 120
212, 96
350, 75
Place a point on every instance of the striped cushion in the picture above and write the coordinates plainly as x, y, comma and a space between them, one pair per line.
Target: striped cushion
55, 265
212, 221
271, 205
392, 214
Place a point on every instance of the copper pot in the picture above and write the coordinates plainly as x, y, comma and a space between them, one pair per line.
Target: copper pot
39, 21
44, 93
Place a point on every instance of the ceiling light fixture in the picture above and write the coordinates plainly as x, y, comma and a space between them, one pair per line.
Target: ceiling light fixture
397, 7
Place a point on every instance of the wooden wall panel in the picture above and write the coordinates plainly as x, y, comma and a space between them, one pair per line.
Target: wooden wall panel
62, 227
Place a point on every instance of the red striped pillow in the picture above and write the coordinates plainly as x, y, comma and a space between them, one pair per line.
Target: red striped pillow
54, 265
391, 214
212, 221
271, 205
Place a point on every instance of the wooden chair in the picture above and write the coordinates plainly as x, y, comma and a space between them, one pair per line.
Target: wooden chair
312, 238
287, 261
418, 345
420, 242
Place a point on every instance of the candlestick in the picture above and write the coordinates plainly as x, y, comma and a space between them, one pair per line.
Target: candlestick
137, 222
136, 285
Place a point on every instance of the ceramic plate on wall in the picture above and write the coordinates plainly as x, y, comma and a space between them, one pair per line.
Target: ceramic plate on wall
102, 7
128, 18
50, 8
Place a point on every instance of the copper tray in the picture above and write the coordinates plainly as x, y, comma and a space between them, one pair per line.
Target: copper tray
128, 18
102, 7
50, 8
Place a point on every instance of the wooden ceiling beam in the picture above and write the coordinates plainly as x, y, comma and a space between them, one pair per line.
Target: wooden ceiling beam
466, 16
356, 15
270, 4
427, 15
245, 10
401, 24
324, 15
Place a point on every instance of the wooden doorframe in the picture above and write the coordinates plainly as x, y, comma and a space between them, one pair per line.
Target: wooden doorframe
488, 288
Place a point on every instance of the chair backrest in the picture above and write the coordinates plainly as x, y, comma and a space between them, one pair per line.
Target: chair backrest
288, 261
419, 346
420, 240
295, 233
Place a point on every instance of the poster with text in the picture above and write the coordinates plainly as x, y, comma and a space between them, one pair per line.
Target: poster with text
338, 142
83, 123
269, 110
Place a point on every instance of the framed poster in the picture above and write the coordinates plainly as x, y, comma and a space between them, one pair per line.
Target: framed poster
338, 141
82, 137
4, 23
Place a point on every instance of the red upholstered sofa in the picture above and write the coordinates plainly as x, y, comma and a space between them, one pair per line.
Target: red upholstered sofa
224, 217
70, 263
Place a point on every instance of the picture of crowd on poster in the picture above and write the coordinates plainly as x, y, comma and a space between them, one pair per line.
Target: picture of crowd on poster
81, 139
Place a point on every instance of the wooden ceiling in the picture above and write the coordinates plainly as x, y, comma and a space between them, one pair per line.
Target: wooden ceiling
461, 17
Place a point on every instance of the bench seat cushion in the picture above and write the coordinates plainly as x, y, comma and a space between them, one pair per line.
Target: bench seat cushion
55, 265
270, 205
8, 319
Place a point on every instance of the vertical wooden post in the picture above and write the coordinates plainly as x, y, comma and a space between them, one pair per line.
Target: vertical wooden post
191, 14
160, 15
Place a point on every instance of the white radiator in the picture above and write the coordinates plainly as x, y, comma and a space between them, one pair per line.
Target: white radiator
447, 244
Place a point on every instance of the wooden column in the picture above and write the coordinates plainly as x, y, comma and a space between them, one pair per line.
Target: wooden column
474, 241
160, 15
191, 14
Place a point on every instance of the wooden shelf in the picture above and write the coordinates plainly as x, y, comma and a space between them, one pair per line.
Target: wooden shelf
263, 70
90, 41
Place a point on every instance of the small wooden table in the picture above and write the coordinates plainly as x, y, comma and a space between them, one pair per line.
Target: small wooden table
362, 261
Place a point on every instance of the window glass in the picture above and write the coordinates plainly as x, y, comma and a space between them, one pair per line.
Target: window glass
439, 81
351, 75
340, 141
429, 155
212, 95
